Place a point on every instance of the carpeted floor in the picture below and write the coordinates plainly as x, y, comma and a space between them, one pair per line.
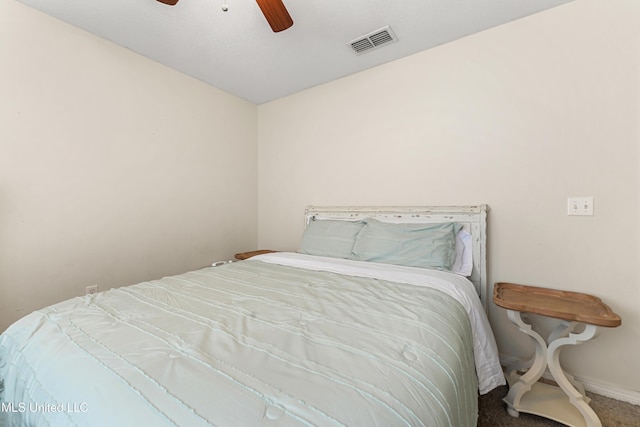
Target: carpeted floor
612, 413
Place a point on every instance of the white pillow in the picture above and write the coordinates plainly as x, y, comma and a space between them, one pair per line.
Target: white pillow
463, 264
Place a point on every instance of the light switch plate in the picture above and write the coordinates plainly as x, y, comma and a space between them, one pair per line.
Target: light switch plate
580, 206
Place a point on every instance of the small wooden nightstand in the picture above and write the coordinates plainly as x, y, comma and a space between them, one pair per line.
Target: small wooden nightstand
566, 403
247, 255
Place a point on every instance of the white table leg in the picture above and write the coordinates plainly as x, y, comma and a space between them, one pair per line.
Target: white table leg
536, 370
561, 331
544, 400
567, 383
514, 367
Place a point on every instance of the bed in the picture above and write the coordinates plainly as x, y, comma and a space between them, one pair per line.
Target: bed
352, 329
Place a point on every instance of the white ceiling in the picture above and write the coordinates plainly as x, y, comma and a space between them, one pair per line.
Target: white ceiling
236, 50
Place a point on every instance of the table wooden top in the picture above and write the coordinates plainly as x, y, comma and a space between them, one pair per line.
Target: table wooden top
573, 306
247, 255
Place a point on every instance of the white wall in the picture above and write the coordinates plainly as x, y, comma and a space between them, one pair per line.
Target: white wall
519, 117
113, 168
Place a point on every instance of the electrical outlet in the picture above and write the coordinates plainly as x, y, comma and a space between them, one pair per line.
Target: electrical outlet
580, 206
90, 290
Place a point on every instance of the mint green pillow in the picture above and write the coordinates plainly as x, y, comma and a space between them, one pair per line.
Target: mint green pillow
332, 238
414, 245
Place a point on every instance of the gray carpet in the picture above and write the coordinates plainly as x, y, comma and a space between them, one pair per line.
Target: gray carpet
612, 413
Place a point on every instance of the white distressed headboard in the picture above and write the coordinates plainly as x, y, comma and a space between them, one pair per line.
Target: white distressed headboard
473, 219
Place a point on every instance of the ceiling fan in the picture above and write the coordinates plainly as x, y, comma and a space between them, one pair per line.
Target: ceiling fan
273, 10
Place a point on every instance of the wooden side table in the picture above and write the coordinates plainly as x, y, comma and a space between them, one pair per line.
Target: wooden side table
247, 255
566, 403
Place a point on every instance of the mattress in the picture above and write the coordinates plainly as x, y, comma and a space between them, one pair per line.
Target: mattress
280, 339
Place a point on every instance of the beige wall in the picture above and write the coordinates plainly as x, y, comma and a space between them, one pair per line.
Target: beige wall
113, 169
519, 117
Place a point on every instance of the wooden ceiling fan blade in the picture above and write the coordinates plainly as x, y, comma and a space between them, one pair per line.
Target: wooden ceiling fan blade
276, 14
169, 2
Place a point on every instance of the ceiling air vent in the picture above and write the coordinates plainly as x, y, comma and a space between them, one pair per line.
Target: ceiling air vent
373, 40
